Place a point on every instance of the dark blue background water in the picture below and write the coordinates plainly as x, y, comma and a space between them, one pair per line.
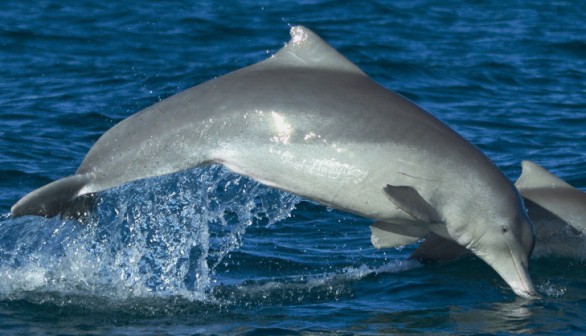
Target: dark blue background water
208, 252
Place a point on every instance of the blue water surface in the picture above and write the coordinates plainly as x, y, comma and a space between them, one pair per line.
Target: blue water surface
209, 252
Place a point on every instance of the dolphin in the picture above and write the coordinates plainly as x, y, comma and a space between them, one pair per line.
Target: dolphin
310, 122
557, 210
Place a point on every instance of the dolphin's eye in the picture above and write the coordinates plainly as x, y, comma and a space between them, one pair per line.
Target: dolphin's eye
504, 229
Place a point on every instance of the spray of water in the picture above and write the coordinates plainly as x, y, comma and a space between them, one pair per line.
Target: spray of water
160, 237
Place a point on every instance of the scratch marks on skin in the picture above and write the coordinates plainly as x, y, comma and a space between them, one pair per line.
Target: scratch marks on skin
417, 177
412, 165
302, 61
335, 170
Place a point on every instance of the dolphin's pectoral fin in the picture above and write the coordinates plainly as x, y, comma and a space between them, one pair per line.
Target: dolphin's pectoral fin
409, 200
436, 248
387, 235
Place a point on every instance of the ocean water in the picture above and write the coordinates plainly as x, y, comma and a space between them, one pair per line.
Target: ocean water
206, 251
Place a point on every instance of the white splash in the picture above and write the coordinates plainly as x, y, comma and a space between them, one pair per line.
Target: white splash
161, 238
298, 35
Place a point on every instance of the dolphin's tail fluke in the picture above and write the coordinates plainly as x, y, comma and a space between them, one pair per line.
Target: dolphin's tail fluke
57, 197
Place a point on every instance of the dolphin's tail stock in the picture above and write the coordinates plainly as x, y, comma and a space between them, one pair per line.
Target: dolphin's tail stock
57, 197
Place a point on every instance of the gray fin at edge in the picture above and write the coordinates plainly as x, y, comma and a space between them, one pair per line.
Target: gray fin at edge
534, 176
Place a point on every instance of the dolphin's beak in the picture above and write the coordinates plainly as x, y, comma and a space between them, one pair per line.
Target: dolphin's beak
513, 268
520, 282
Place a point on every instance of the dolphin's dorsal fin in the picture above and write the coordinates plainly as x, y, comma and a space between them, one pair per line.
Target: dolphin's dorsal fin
307, 50
534, 176
409, 200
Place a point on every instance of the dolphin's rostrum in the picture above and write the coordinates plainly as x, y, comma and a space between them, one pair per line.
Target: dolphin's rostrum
310, 122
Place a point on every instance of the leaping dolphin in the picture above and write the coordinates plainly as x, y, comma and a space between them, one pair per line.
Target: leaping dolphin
557, 210
310, 122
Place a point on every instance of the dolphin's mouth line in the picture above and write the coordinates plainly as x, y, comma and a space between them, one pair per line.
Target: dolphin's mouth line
525, 287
